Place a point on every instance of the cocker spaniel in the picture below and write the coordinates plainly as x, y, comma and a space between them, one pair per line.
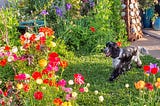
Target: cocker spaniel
123, 57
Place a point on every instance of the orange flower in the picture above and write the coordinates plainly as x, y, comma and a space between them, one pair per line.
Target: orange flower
119, 44
57, 101
140, 84
63, 64
47, 31
157, 84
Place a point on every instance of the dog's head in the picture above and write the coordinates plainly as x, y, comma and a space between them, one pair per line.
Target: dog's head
111, 50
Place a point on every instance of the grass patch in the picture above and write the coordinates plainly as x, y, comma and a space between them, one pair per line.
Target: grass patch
96, 69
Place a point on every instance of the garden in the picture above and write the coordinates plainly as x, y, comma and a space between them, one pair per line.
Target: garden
51, 55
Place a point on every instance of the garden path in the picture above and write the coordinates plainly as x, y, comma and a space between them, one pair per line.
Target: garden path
150, 41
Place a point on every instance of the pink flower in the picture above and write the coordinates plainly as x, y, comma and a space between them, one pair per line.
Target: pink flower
20, 77
68, 97
1, 92
62, 83
81, 90
78, 79
67, 89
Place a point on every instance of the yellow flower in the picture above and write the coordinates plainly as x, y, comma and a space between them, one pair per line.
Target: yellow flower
157, 84
19, 86
147, 74
67, 104
52, 44
42, 62
158, 79
140, 84
39, 81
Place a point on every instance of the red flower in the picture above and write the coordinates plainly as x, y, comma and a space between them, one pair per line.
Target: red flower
119, 44
63, 64
45, 71
22, 38
53, 55
32, 38
149, 86
46, 31
146, 68
5, 93
36, 75
46, 81
154, 70
92, 29
26, 87
57, 101
42, 40
38, 95
7, 48
3, 62
78, 79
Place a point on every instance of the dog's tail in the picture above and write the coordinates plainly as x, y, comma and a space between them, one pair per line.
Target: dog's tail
143, 51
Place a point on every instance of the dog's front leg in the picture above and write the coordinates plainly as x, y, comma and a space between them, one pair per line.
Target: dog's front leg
116, 72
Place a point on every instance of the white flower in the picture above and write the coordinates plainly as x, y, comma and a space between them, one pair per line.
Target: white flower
70, 82
95, 92
14, 49
85, 89
10, 58
44, 88
39, 81
74, 94
88, 84
127, 85
27, 35
22, 49
123, 14
27, 75
101, 99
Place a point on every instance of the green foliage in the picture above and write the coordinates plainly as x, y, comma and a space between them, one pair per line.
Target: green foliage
8, 26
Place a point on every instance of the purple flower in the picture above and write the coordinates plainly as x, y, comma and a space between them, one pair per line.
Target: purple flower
44, 12
92, 4
59, 11
68, 6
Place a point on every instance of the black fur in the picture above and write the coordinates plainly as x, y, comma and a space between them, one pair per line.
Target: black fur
122, 58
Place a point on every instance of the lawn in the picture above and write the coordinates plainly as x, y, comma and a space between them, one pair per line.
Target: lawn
96, 70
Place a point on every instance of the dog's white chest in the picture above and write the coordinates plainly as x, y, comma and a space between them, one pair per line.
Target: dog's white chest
115, 62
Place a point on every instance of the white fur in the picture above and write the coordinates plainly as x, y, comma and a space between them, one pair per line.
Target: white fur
116, 61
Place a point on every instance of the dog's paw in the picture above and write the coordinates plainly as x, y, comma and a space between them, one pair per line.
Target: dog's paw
112, 78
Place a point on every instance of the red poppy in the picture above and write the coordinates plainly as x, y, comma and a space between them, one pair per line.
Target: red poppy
149, 86
63, 64
7, 48
78, 79
36, 75
57, 101
154, 70
146, 68
38, 47
119, 44
38, 95
3, 62
92, 29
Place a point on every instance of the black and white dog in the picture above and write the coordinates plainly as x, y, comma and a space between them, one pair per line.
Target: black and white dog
123, 57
